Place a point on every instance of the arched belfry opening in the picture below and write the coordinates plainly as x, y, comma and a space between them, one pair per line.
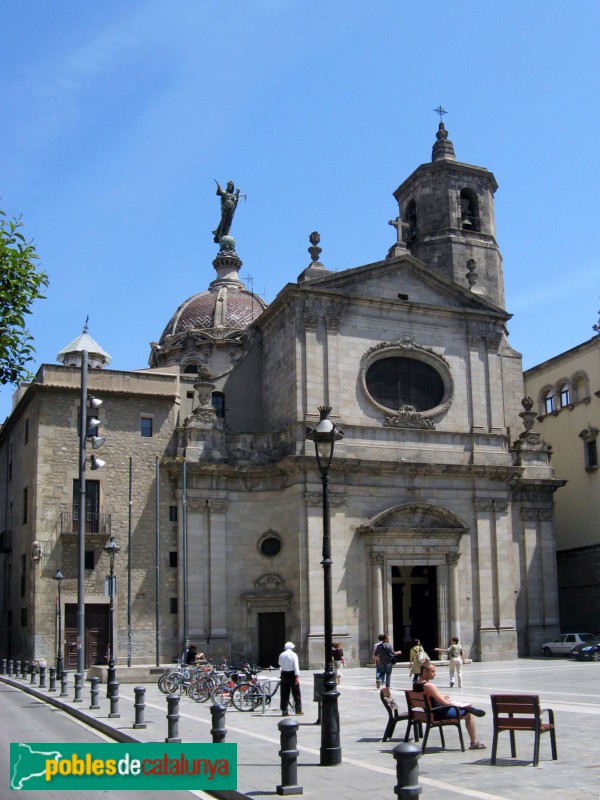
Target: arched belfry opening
469, 210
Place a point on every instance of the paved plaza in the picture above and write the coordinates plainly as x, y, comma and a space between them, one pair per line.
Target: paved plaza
572, 689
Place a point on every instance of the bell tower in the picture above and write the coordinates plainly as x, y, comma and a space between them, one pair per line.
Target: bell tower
447, 211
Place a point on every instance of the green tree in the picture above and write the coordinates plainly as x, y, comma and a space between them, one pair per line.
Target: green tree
20, 284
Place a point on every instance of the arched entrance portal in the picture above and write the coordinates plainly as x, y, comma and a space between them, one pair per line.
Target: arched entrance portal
413, 552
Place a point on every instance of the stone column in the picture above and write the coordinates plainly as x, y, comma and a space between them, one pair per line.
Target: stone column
443, 603
377, 617
217, 534
198, 569
505, 603
453, 598
547, 547
314, 588
486, 580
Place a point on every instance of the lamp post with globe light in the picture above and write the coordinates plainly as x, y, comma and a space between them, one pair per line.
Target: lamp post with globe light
324, 435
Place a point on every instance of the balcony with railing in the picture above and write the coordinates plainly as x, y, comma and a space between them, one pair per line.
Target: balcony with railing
99, 524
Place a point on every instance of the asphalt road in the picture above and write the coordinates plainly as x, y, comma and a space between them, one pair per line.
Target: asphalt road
26, 719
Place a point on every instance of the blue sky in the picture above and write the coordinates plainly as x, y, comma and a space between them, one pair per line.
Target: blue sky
118, 116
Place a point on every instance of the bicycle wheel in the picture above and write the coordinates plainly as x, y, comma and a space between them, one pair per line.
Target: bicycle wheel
221, 695
246, 697
201, 689
172, 682
169, 682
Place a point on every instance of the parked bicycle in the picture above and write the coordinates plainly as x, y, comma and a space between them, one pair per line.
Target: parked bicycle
257, 692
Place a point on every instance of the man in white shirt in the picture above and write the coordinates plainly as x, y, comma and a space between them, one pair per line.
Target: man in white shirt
290, 679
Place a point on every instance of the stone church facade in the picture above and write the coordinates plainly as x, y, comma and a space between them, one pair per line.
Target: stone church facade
441, 494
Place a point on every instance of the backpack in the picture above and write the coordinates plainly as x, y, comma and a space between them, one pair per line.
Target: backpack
419, 658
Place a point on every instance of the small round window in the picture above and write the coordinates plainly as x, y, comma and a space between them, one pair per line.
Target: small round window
270, 546
398, 381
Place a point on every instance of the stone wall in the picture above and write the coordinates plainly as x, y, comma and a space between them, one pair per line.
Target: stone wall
579, 589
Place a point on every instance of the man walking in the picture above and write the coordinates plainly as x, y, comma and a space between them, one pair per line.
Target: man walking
386, 658
290, 679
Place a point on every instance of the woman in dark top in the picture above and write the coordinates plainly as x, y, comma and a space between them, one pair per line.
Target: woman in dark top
445, 707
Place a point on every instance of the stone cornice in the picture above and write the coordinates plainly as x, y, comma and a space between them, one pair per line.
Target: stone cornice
295, 465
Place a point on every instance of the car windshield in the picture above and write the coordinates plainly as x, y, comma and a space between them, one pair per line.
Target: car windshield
592, 640
588, 637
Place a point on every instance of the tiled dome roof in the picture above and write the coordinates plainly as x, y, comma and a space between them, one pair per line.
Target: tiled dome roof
219, 307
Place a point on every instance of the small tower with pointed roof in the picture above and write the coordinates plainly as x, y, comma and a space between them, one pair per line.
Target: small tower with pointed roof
447, 211
70, 355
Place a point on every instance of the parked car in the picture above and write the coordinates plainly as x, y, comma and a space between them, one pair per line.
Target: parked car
565, 643
587, 650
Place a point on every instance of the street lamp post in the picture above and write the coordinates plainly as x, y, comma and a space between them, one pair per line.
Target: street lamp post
58, 577
112, 548
324, 436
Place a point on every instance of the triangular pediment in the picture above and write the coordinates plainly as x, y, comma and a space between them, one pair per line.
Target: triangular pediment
403, 279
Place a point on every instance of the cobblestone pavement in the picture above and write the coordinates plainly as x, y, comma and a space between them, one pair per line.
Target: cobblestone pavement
571, 688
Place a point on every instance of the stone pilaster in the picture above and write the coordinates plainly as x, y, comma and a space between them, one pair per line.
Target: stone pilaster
496, 601
453, 600
376, 561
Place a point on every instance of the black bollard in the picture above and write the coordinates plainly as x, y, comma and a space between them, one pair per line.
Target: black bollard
114, 700
172, 718
288, 729
24, 669
52, 687
139, 706
42, 683
64, 683
2, 666
94, 692
32, 673
219, 731
18, 667
9, 666
407, 770
78, 687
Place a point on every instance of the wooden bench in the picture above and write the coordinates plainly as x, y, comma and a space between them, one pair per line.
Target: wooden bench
521, 712
394, 716
421, 711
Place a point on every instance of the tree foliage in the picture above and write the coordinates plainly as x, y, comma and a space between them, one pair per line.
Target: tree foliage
20, 284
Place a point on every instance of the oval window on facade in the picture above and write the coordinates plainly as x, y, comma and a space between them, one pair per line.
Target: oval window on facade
270, 546
397, 381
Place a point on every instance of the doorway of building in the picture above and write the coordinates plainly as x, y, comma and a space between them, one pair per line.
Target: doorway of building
271, 637
414, 607
96, 634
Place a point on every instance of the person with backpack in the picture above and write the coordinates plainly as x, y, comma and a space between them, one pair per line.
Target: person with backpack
455, 659
417, 658
385, 657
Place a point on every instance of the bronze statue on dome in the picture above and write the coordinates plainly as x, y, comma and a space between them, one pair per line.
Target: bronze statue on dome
229, 199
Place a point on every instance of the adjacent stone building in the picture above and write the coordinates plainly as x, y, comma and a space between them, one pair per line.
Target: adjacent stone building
566, 390
441, 495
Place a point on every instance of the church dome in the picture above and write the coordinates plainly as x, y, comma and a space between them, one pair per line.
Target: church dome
228, 309
218, 316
